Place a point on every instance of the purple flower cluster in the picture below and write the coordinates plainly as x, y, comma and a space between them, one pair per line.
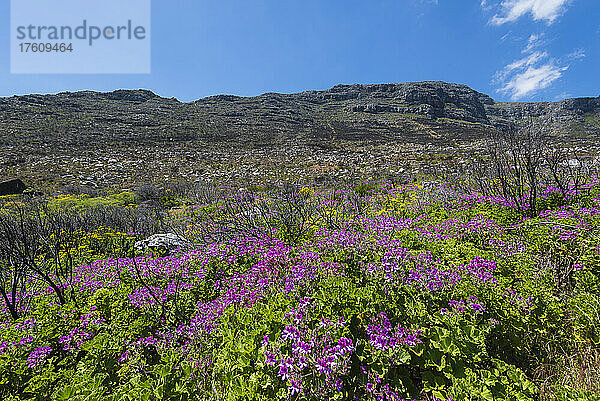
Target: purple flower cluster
481, 270
506, 248
479, 226
277, 270
89, 324
384, 336
376, 389
391, 266
38, 356
311, 354
429, 275
308, 353
134, 349
460, 306
6, 346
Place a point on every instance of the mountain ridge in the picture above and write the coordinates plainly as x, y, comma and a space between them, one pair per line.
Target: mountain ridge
152, 94
340, 126
431, 99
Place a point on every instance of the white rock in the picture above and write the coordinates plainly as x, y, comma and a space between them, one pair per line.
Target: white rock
166, 242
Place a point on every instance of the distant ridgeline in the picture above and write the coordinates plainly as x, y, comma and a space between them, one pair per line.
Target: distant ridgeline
420, 111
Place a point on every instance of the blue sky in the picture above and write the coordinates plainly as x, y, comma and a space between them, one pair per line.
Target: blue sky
523, 50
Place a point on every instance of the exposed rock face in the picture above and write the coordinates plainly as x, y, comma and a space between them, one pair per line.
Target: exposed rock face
167, 243
452, 101
568, 109
12, 187
131, 96
435, 99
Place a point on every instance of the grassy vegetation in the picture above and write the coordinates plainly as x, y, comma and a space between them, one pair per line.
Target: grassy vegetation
592, 119
85, 201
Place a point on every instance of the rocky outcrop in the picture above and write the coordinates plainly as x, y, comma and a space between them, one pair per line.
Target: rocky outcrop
165, 243
457, 102
140, 95
433, 99
12, 187
564, 110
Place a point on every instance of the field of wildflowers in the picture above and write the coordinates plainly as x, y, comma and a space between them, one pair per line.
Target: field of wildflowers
376, 292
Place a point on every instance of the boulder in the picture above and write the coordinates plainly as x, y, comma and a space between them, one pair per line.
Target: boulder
12, 187
167, 243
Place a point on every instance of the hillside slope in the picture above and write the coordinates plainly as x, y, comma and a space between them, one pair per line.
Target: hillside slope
415, 117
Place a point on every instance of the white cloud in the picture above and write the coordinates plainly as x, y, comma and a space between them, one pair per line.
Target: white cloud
533, 42
532, 80
576, 54
528, 75
536, 70
546, 10
520, 65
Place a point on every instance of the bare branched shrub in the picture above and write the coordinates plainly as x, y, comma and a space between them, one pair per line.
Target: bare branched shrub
286, 212
523, 163
570, 171
516, 156
561, 268
148, 192
202, 194
24, 252
337, 207
578, 370
39, 244
80, 190
58, 232
16, 249
143, 220
293, 210
169, 303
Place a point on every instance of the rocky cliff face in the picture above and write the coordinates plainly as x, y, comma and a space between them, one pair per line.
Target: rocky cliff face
429, 100
434, 99
569, 109
452, 101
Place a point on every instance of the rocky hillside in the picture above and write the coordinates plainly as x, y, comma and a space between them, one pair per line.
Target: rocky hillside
413, 116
